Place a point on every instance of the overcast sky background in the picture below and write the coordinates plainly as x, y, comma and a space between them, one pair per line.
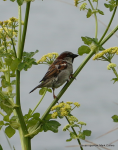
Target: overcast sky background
57, 26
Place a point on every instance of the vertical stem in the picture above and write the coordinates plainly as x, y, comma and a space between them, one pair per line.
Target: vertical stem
20, 52
19, 29
25, 141
96, 21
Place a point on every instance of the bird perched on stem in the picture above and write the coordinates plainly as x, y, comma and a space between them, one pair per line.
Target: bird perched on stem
59, 72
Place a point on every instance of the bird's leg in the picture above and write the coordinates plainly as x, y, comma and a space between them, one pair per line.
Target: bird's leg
53, 93
71, 76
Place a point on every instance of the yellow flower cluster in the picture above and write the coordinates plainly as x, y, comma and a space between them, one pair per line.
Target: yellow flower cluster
48, 58
72, 122
111, 65
111, 50
63, 109
11, 22
76, 104
8, 28
72, 119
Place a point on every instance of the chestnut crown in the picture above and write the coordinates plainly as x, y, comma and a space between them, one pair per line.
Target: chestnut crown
67, 54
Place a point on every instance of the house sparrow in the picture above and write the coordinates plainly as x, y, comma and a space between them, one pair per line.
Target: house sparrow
59, 72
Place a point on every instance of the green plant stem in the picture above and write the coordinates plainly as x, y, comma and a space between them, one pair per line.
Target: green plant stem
108, 24
115, 72
20, 53
39, 102
19, 29
75, 134
96, 21
13, 47
25, 141
109, 35
2, 114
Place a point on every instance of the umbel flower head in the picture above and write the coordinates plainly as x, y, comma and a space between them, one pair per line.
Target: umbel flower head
63, 109
48, 58
111, 50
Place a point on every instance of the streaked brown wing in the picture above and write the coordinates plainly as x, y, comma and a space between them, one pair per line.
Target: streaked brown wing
55, 68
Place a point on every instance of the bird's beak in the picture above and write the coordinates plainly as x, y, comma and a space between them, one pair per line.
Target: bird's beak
75, 55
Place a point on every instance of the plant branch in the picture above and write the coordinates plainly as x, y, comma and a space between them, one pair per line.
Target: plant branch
2, 114
115, 72
20, 53
19, 29
108, 24
109, 35
13, 47
75, 134
39, 102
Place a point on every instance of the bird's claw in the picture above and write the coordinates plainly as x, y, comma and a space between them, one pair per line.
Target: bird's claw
71, 76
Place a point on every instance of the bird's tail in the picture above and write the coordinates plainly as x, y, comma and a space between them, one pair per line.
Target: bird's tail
35, 88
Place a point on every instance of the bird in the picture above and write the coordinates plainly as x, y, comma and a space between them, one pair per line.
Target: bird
60, 71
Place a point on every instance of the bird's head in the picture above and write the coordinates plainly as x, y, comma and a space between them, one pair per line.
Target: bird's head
69, 56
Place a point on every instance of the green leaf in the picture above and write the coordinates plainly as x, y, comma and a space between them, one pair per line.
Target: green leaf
13, 82
15, 64
68, 140
81, 136
115, 118
6, 118
87, 40
13, 118
111, 7
4, 106
5, 83
87, 132
48, 117
14, 124
31, 122
83, 49
51, 125
100, 12
20, 2
1, 147
28, 61
8, 61
89, 13
21, 66
73, 135
42, 90
36, 116
1, 123
49, 90
29, 54
9, 131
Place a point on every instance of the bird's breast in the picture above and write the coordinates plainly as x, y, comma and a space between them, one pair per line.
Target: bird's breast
63, 76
